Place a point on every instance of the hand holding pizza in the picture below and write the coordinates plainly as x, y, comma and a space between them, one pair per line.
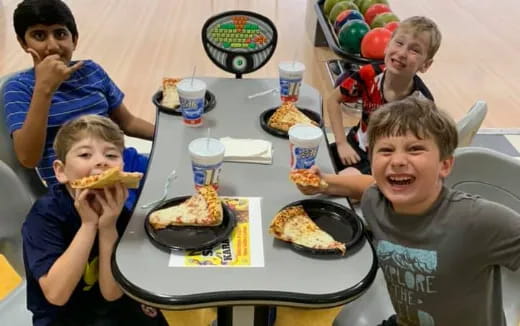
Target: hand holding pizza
308, 181
86, 206
112, 200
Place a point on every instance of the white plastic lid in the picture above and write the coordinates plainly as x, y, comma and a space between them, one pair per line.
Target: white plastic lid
291, 67
206, 150
307, 136
186, 87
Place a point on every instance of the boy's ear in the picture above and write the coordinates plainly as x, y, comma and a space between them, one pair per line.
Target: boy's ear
59, 171
426, 65
446, 166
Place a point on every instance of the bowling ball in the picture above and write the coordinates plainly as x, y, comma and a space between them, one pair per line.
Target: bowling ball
339, 7
392, 26
374, 43
375, 10
365, 4
351, 34
384, 18
346, 16
327, 6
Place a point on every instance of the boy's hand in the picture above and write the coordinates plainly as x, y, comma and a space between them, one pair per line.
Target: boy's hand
50, 71
85, 205
347, 154
309, 190
112, 201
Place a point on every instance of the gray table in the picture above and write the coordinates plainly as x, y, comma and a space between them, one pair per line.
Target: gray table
287, 278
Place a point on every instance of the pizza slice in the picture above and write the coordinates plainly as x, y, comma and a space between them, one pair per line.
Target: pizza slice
292, 224
108, 178
307, 178
286, 116
202, 209
170, 98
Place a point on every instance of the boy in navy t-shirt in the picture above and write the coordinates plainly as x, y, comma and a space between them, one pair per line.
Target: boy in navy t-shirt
69, 235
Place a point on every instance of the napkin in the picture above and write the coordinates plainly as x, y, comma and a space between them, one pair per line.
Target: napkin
247, 150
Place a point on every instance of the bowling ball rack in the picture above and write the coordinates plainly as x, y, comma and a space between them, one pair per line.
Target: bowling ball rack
349, 62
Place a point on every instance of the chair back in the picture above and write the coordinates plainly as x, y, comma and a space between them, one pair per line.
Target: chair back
468, 126
28, 177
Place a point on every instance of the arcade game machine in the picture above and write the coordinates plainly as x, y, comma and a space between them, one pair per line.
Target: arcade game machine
239, 42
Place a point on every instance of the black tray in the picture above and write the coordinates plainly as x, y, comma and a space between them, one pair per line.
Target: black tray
209, 103
190, 237
337, 220
264, 118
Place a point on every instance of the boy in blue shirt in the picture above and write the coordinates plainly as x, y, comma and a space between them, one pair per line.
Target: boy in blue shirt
440, 249
69, 235
38, 101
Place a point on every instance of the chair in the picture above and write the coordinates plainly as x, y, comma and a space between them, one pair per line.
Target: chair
493, 176
15, 202
29, 177
468, 126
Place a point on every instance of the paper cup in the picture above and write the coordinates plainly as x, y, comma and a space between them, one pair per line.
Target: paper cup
304, 142
191, 97
291, 75
207, 155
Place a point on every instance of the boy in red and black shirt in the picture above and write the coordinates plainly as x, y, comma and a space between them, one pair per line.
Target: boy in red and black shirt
410, 50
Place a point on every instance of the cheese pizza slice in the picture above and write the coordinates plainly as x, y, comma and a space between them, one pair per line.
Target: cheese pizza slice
202, 209
286, 116
292, 224
170, 97
307, 178
108, 178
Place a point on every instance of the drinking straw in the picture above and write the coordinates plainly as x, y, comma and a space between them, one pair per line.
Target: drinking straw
294, 58
207, 139
193, 75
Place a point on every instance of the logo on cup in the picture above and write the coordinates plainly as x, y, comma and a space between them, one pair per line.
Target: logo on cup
303, 158
290, 89
192, 109
206, 174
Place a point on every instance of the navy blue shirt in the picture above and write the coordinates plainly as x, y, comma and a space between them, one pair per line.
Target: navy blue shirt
47, 232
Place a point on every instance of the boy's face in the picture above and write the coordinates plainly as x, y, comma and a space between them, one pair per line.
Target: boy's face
49, 39
407, 53
409, 171
89, 156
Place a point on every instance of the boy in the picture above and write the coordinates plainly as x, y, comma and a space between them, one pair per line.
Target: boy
440, 249
69, 235
411, 50
38, 101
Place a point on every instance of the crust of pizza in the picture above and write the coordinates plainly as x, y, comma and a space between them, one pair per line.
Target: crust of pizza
108, 178
306, 178
170, 98
286, 116
202, 209
292, 224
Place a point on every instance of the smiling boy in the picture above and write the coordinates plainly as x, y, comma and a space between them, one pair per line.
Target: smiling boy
410, 50
440, 249
39, 100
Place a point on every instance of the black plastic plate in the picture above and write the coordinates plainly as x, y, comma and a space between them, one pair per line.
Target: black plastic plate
190, 237
337, 220
264, 118
209, 104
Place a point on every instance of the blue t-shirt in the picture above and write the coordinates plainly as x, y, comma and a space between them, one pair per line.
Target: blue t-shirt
89, 90
47, 232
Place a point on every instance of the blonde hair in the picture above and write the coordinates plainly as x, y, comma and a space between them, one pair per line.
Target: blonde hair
415, 115
420, 24
87, 126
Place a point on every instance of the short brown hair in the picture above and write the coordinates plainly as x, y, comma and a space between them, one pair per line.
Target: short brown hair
87, 126
419, 24
415, 115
